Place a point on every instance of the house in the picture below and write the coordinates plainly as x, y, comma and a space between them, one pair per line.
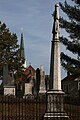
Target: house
71, 86
77, 1
28, 80
30, 74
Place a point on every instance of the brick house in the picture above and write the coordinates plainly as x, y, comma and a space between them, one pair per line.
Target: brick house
71, 86
77, 1
28, 80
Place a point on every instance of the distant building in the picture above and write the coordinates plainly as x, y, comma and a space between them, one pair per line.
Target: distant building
32, 81
77, 1
71, 86
28, 80
30, 74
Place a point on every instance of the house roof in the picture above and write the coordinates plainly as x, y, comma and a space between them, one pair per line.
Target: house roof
27, 73
68, 78
28, 69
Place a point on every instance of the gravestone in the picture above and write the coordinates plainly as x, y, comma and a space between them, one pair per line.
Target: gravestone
42, 80
8, 81
5, 74
9, 90
28, 88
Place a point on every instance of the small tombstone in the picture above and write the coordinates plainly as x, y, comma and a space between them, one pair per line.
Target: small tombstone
42, 80
28, 88
9, 90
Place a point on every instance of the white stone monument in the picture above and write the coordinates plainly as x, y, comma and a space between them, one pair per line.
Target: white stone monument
28, 88
55, 95
9, 90
42, 80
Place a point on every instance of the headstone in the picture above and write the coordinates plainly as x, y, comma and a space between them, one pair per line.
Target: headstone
28, 88
5, 74
42, 80
37, 82
9, 90
8, 81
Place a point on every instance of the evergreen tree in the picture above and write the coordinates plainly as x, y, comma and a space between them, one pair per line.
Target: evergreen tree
72, 42
9, 51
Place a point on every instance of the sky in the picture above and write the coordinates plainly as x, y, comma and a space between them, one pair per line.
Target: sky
34, 17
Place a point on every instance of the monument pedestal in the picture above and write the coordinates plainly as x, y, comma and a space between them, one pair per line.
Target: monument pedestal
28, 88
9, 90
54, 110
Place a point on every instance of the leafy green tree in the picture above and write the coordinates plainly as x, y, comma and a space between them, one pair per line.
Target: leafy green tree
10, 51
71, 25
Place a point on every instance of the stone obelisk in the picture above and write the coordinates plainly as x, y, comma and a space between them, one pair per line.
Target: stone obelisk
55, 71
54, 110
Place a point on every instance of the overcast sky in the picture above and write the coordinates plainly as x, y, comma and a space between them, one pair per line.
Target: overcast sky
34, 17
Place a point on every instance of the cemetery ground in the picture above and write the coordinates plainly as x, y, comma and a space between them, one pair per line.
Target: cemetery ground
28, 108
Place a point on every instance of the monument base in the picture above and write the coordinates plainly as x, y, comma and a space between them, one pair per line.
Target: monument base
9, 90
54, 107
56, 116
42, 91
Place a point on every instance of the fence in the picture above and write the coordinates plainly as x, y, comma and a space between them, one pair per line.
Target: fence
30, 108
27, 108
72, 108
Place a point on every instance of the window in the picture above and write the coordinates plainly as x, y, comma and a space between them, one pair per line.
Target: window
30, 71
79, 85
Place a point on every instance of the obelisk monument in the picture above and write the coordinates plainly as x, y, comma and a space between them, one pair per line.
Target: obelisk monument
54, 110
55, 71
